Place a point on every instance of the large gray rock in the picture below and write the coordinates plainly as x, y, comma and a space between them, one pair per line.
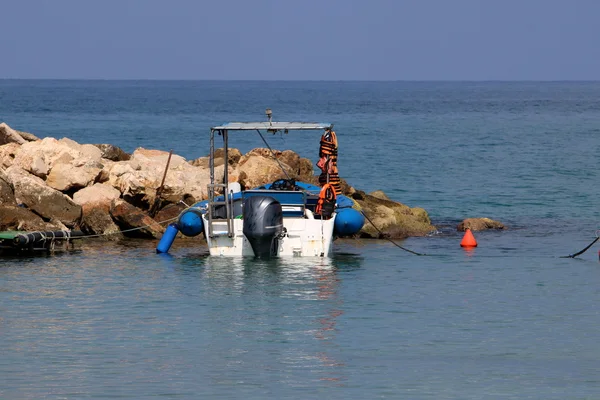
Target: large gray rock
49, 203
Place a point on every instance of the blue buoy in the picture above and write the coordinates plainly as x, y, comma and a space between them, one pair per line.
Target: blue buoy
190, 222
348, 221
167, 239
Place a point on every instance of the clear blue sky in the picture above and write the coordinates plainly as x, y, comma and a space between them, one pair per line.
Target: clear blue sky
301, 39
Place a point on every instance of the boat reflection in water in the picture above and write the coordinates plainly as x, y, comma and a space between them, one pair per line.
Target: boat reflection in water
284, 310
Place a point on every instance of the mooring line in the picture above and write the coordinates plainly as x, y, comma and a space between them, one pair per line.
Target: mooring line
388, 239
585, 249
140, 227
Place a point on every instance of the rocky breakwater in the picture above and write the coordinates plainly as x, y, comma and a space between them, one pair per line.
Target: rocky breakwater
56, 184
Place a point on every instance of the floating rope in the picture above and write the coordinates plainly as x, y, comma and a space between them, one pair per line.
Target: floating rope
585, 249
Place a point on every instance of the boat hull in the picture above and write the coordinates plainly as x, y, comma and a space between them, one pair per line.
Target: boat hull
302, 237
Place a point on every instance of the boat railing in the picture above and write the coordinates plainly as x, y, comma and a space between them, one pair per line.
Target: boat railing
213, 203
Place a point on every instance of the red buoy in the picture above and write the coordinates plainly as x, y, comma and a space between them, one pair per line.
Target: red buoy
468, 239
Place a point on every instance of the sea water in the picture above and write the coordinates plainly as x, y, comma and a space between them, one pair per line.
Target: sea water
510, 319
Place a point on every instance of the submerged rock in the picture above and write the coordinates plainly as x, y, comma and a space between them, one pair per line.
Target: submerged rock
479, 224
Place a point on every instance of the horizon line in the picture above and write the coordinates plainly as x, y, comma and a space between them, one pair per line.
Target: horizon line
300, 80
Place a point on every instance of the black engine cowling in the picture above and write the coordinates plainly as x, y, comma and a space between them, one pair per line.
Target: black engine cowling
263, 223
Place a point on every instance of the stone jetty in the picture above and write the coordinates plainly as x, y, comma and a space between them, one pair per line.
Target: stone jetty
59, 184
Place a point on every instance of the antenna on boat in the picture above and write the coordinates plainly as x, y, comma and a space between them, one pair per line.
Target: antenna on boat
269, 114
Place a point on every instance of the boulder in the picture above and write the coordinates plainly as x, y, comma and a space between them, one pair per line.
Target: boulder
82, 150
390, 219
302, 167
113, 153
8, 153
380, 195
99, 193
30, 137
479, 224
96, 220
233, 156
170, 213
126, 176
258, 166
41, 156
7, 193
48, 203
133, 222
9, 135
38, 167
74, 175
13, 218
96, 201
139, 178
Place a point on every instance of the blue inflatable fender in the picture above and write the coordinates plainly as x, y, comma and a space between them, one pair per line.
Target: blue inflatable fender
167, 239
348, 221
190, 222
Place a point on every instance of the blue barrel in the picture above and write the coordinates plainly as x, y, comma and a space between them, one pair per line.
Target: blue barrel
167, 239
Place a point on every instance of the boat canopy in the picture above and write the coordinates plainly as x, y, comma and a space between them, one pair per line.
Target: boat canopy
272, 126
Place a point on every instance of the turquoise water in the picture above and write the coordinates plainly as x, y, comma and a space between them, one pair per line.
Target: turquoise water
509, 320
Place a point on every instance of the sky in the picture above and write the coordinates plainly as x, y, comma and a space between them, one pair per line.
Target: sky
301, 39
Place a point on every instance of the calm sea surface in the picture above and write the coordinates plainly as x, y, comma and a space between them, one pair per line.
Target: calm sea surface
509, 320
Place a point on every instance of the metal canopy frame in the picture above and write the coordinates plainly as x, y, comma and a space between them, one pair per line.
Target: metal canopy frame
272, 126
269, 126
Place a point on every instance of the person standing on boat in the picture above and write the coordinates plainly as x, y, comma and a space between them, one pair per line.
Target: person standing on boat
328, 153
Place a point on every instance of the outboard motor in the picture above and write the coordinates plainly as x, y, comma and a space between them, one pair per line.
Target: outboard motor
263, 223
